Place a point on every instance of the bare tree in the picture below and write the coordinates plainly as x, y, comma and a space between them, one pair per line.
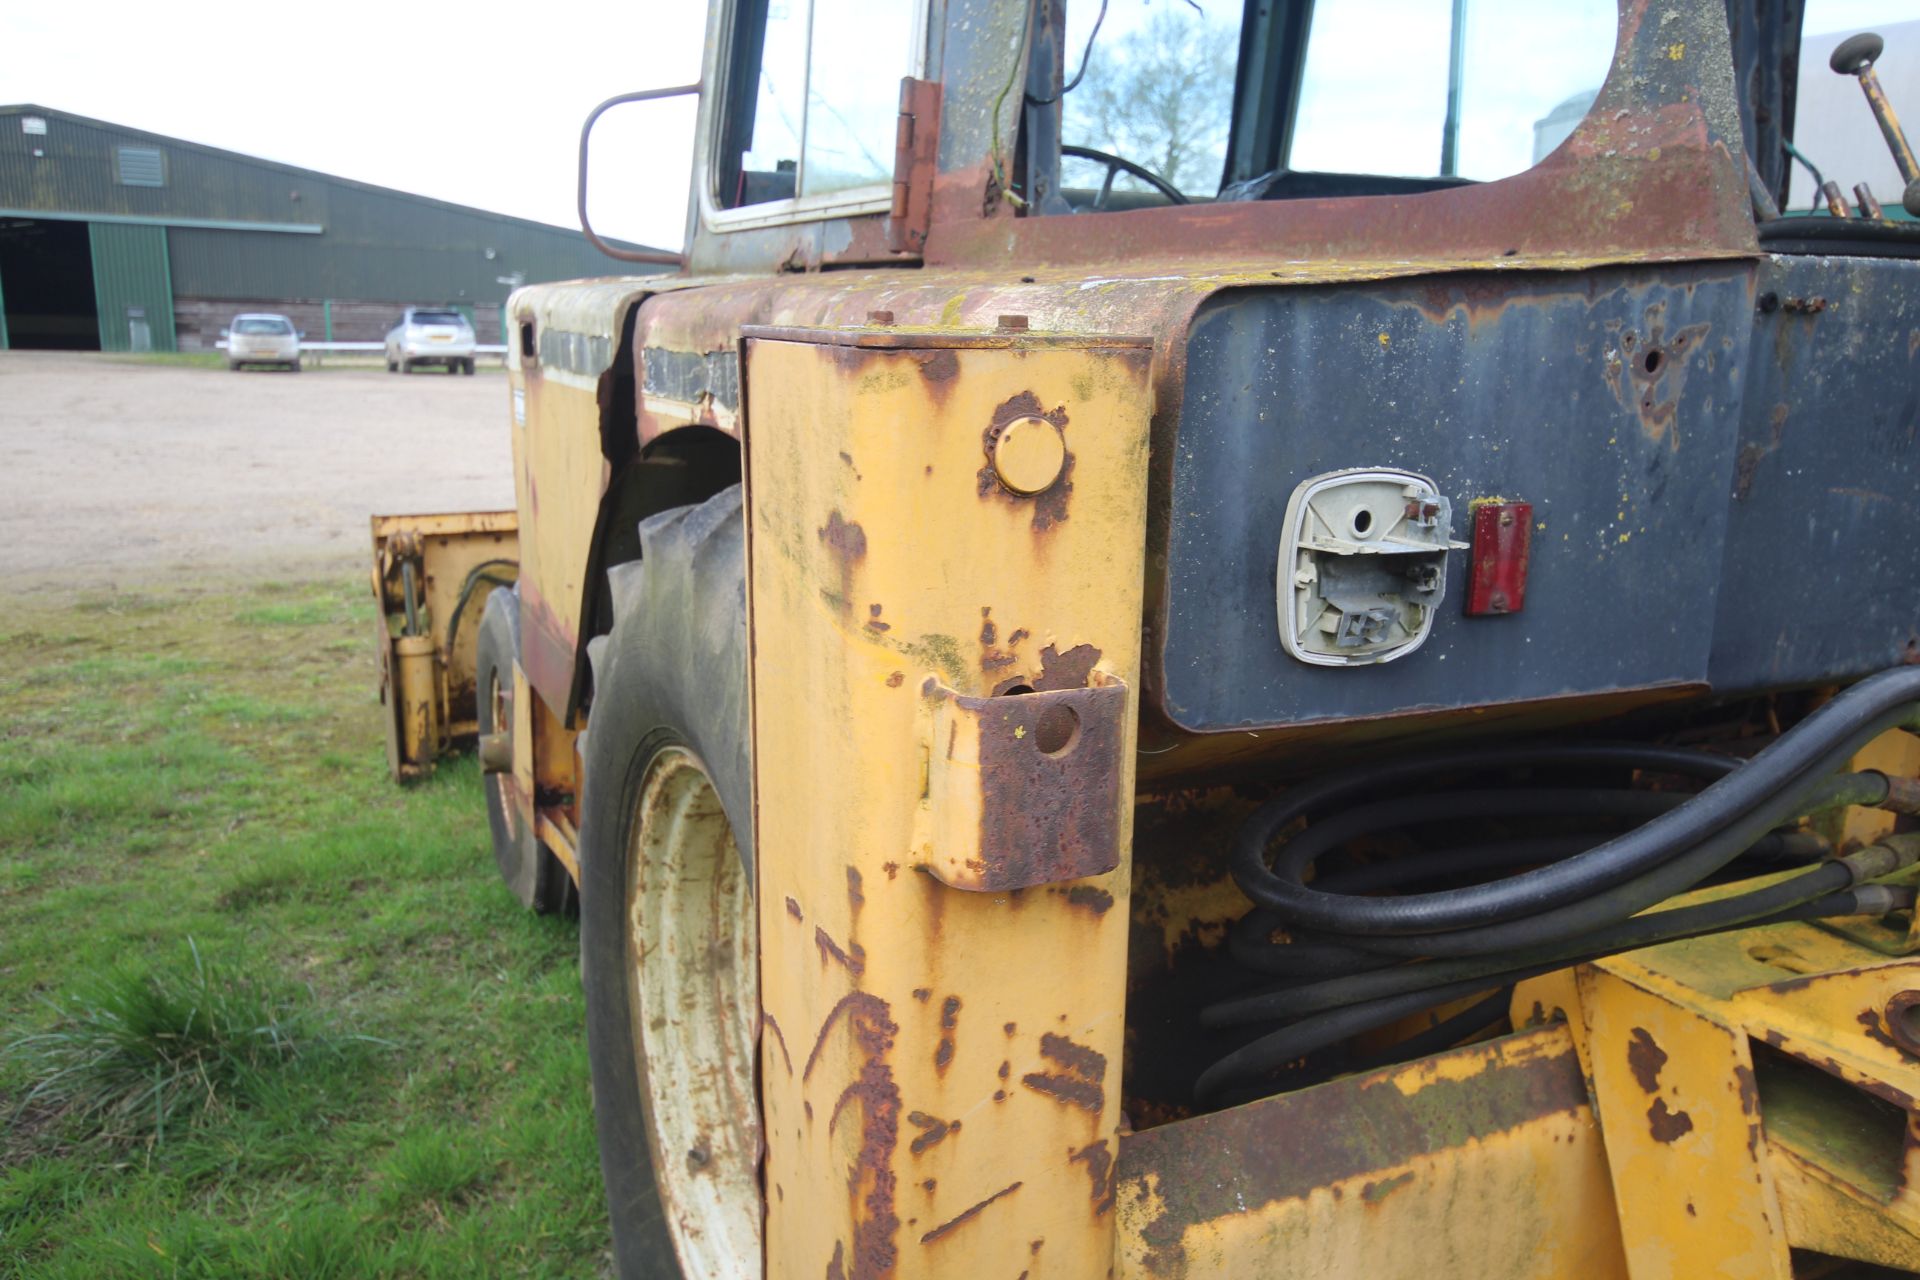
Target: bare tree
1160, 96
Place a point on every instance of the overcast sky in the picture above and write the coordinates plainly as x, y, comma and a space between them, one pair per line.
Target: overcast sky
479, 104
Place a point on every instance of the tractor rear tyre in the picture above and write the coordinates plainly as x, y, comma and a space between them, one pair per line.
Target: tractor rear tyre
669, 947
533, 874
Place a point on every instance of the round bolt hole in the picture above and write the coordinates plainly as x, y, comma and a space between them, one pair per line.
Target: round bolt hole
1651, 361
1362, 521
1903, 1021
1058, 729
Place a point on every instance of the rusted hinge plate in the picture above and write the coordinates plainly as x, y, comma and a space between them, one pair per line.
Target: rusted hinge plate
1024, 790
916, 146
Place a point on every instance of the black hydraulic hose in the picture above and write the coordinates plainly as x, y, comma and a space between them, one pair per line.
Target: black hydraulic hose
1609, 906
1442, 1035
1320, 1030
1249, 937
1770, 782
1640, 931
1437, 864
1785, 847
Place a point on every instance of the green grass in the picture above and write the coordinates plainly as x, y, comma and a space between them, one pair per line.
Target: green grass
263, 1013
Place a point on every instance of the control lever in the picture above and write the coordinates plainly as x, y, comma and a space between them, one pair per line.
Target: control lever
1855, 57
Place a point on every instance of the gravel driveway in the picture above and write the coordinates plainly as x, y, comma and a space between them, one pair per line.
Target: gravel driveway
113, 471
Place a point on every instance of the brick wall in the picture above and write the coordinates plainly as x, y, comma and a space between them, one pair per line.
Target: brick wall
197, 322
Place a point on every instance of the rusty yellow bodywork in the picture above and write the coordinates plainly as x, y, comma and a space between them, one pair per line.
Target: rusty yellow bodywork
941, 1066
426, 664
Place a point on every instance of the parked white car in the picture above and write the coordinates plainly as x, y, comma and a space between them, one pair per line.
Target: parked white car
263, 339
430, 336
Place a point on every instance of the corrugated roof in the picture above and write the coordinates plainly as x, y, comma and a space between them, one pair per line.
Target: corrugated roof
239, 157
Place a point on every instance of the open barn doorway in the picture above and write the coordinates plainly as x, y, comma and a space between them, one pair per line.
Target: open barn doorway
46, 285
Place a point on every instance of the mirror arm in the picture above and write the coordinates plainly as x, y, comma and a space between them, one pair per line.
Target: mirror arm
586, 130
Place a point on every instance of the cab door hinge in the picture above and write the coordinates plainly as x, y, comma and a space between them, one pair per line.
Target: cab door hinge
916, 146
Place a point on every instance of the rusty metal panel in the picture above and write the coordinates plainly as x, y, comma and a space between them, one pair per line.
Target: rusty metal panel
1654, 171
1483, 1161
1609, 401
1754, 1097
1684, 1147
915, 147
1023, 791
940, 1069
1824, 529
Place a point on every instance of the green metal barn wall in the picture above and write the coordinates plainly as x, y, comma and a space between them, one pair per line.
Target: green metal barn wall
231, 227
130, 270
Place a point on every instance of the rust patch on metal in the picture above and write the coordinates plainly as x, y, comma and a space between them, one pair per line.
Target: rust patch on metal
1287, 1147
1749, 1090
949, 1020
894, 680
836, 1265
923, 994
1050, 505
1870, 1022
1082, 1079
1099, 1162
1647, 375
969, 1215
932, 1131
854, 896
766, 1020
847, 542
855, 963
793, 909
1644, 1059
939, 369
1050, 766
870, 1017
1666, 1125
870, 1180
1090, 898
1067, 670
988, 632
1375, 1192
874, 624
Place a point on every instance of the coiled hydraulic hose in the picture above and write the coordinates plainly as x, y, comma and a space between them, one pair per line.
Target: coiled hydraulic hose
1773, 783
1360, 962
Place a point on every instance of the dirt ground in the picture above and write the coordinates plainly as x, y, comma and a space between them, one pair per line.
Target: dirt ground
114, 472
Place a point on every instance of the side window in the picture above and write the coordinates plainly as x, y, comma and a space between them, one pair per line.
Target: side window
1443, 89
814, 97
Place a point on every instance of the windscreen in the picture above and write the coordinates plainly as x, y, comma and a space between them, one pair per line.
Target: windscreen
438, 317
262, 325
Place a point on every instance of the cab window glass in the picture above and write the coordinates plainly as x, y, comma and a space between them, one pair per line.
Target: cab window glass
816, 97
853, 105
1382, 91
1157, 91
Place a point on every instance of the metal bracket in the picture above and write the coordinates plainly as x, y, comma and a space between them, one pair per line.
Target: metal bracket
916, 145
1024, 789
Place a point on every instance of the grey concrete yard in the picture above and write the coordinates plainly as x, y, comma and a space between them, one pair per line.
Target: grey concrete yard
114, 472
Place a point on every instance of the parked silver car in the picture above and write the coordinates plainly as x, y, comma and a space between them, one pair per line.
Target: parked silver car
262, 338
430, 336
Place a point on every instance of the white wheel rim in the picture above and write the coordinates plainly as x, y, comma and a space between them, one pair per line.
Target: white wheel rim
692, 962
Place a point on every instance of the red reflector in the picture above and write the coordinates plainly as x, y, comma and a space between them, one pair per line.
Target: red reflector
1502, 539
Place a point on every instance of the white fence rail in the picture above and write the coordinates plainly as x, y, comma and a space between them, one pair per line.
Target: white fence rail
316, 352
